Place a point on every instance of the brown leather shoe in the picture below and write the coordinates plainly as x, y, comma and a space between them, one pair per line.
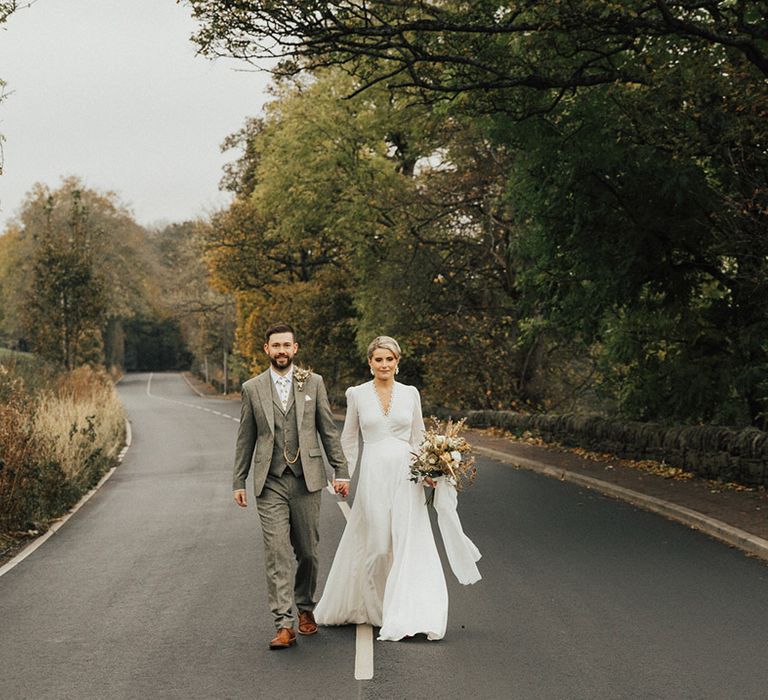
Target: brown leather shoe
285, 638
307, 624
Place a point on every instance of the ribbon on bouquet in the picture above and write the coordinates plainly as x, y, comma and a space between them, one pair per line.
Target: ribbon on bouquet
461, 551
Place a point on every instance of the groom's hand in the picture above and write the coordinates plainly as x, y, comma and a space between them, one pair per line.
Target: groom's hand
341, 487
240, 498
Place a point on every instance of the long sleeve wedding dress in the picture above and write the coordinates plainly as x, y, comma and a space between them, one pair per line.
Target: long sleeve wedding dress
387, 570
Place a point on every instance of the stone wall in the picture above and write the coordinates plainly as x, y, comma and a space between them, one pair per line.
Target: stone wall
713, 452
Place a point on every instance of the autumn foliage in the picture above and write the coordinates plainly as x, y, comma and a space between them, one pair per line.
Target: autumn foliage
554, 206
55, 442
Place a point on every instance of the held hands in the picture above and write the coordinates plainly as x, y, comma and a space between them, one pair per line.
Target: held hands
341, 487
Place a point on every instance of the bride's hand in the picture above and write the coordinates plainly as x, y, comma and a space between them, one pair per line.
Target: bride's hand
429, 481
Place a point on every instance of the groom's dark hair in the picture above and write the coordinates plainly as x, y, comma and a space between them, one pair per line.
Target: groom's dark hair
279, 328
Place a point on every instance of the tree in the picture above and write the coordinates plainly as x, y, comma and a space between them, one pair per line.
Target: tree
647, 242
285, 246
11, 280
81, 239
7, 8
204, 316
66, 305
452, 47
155, 344
615, 226
370, 216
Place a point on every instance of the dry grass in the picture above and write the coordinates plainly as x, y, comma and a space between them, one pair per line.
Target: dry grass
19, 451
80, 418
58, 434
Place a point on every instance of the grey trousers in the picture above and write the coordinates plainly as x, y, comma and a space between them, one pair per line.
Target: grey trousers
290, 518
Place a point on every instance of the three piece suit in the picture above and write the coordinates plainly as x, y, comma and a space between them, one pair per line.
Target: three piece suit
280, 446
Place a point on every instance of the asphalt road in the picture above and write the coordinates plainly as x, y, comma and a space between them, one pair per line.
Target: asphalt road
155, 589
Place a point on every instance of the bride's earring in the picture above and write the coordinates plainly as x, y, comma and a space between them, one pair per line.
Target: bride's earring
373, 374
397, 369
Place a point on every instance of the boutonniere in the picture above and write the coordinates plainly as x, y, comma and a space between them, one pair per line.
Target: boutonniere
300, 375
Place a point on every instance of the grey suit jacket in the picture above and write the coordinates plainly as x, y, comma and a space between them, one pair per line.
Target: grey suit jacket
255, 437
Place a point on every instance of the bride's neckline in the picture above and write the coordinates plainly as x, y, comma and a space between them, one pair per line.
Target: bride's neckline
384, 411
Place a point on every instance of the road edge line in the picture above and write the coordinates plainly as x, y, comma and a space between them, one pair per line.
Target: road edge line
58, 524
733, 536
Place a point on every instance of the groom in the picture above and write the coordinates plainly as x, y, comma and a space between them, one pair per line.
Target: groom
283, 413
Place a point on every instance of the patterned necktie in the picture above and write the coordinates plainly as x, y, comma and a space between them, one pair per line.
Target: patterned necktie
282, 390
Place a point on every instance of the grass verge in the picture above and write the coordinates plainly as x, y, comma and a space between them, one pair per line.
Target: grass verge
59, 433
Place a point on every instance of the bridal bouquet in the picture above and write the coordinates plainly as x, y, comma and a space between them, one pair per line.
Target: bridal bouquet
443, 452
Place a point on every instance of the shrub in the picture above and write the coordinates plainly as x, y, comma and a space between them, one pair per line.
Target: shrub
54, 443
80, 423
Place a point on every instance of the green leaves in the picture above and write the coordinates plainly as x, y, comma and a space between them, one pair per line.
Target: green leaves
572, 192
66, 303
74, 266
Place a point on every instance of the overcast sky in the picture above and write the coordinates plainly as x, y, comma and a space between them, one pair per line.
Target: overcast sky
112, 91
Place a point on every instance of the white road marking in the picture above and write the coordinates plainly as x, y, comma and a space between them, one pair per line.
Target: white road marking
184, 403
364, 653
363, 632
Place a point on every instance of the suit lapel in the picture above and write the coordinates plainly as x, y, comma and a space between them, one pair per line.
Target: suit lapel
298, 398
264, 388
276, 403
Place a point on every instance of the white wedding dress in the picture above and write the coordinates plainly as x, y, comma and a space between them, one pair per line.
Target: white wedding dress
387, 571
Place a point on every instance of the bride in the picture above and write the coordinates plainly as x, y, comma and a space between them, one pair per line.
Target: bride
387, 571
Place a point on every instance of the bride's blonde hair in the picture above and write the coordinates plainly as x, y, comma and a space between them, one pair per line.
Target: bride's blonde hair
384, 342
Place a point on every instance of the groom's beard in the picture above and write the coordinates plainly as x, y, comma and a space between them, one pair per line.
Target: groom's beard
281, 362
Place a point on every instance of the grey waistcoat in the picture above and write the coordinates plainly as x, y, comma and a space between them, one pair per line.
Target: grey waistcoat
286, 436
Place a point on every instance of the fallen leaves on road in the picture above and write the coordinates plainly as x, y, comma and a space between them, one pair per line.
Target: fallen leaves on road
648, 466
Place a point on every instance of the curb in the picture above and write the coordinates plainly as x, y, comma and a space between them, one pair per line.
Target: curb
190, 385
40, 541
218, 397
733, 536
